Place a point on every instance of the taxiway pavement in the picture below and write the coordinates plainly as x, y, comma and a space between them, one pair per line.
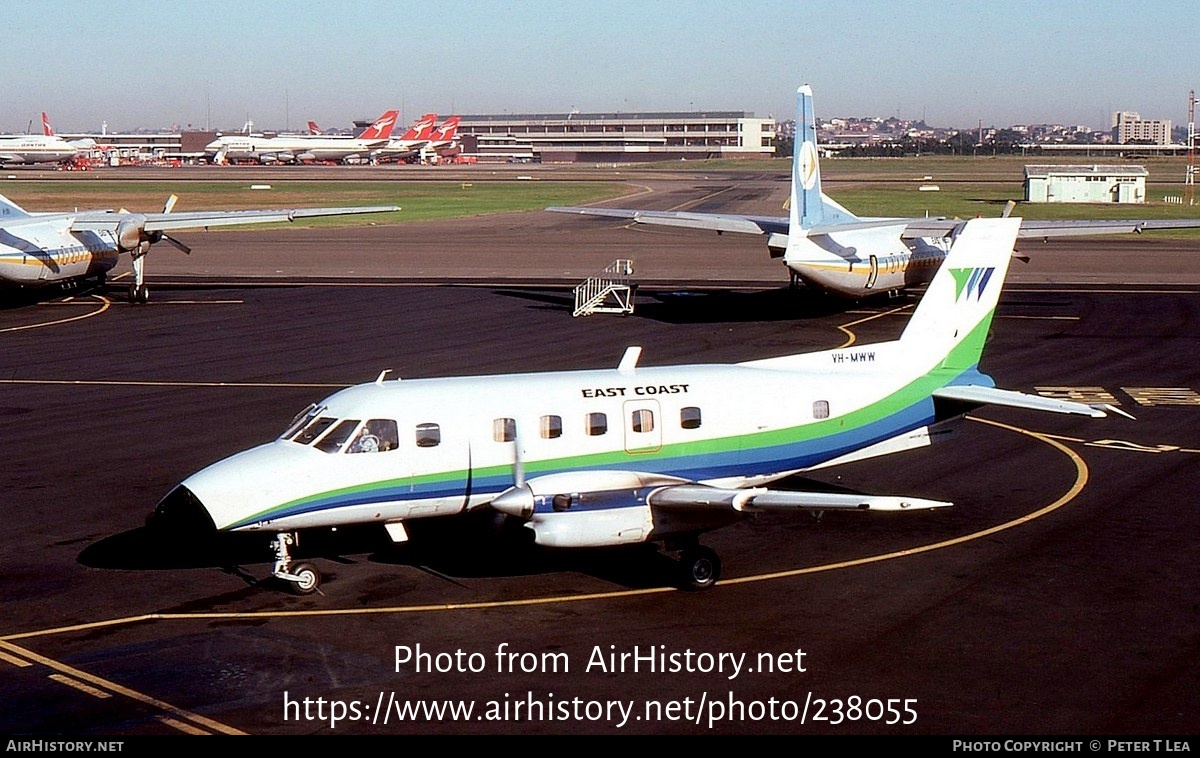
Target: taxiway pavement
1057, 597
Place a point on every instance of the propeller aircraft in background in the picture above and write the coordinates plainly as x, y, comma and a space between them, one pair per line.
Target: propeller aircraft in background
832, 250
43, 249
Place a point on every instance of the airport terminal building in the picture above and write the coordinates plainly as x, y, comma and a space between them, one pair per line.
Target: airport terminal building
616, 137
538, 138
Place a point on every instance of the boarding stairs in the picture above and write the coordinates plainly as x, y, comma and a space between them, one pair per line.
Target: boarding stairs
609, 292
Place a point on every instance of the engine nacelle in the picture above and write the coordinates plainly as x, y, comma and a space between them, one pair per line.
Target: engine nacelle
585, 508
131, 233
590, 527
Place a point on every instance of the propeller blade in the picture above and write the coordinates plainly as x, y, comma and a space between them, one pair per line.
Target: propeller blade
177, 243
518, 464
170, 204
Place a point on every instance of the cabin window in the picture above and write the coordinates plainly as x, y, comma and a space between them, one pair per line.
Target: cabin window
597, 424
551, 427
642, 420
820, 409
504, 429
332, 442
376, 436
314, 430
689, 418
429, 435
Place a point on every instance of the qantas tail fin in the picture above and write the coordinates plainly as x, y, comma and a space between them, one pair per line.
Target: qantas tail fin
421, 128
313, 129
46, 128
446, 132
382, 128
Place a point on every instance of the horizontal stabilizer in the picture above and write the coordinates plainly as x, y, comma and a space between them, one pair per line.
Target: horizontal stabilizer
992, 396
695, 496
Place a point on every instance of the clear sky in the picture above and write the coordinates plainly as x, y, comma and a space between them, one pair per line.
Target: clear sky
213, 63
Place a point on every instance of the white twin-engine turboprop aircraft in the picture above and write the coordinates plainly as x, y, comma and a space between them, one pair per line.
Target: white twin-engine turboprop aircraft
625, 455
42, 249
832, 250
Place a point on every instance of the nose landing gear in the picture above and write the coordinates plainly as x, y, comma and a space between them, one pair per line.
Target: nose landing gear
302, 578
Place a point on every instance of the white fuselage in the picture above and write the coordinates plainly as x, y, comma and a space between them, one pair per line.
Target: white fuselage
42, 250
291, 149
865, 262
35, 149
442, 446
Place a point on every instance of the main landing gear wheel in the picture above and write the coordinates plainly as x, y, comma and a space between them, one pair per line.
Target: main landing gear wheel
139, 294
307, 579
699, 568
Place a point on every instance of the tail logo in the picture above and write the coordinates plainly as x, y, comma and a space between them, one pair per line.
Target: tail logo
808, 165
972, 281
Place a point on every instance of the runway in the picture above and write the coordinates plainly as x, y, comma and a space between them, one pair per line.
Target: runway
1057, 597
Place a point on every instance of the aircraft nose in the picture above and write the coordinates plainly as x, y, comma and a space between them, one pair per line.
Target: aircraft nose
181, 511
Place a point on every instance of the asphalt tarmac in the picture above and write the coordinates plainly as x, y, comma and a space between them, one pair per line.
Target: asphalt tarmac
1058, 597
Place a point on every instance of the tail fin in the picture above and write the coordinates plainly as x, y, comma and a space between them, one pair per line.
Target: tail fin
313, 129
809, 205
382, 128
10, 210
423, 125
446, 132
46, 128
954, 314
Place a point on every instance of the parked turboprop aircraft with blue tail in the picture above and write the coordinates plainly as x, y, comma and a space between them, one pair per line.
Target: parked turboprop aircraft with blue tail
625, 455
829, 248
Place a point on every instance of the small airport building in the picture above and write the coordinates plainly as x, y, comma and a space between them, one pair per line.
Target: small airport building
1085, 184
616, 137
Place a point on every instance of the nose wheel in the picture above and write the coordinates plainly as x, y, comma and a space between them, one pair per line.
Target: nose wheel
302, 578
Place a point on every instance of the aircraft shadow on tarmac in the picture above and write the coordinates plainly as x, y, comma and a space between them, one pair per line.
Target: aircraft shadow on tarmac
477, 545
705, 306
474, 545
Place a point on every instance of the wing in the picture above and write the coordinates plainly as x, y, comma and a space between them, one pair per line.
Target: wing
598, 508
717, 222
159, 222
686, 497
915, 228
935, 227
1037, 229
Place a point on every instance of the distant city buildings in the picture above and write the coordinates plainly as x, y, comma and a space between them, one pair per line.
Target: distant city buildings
1128, 128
